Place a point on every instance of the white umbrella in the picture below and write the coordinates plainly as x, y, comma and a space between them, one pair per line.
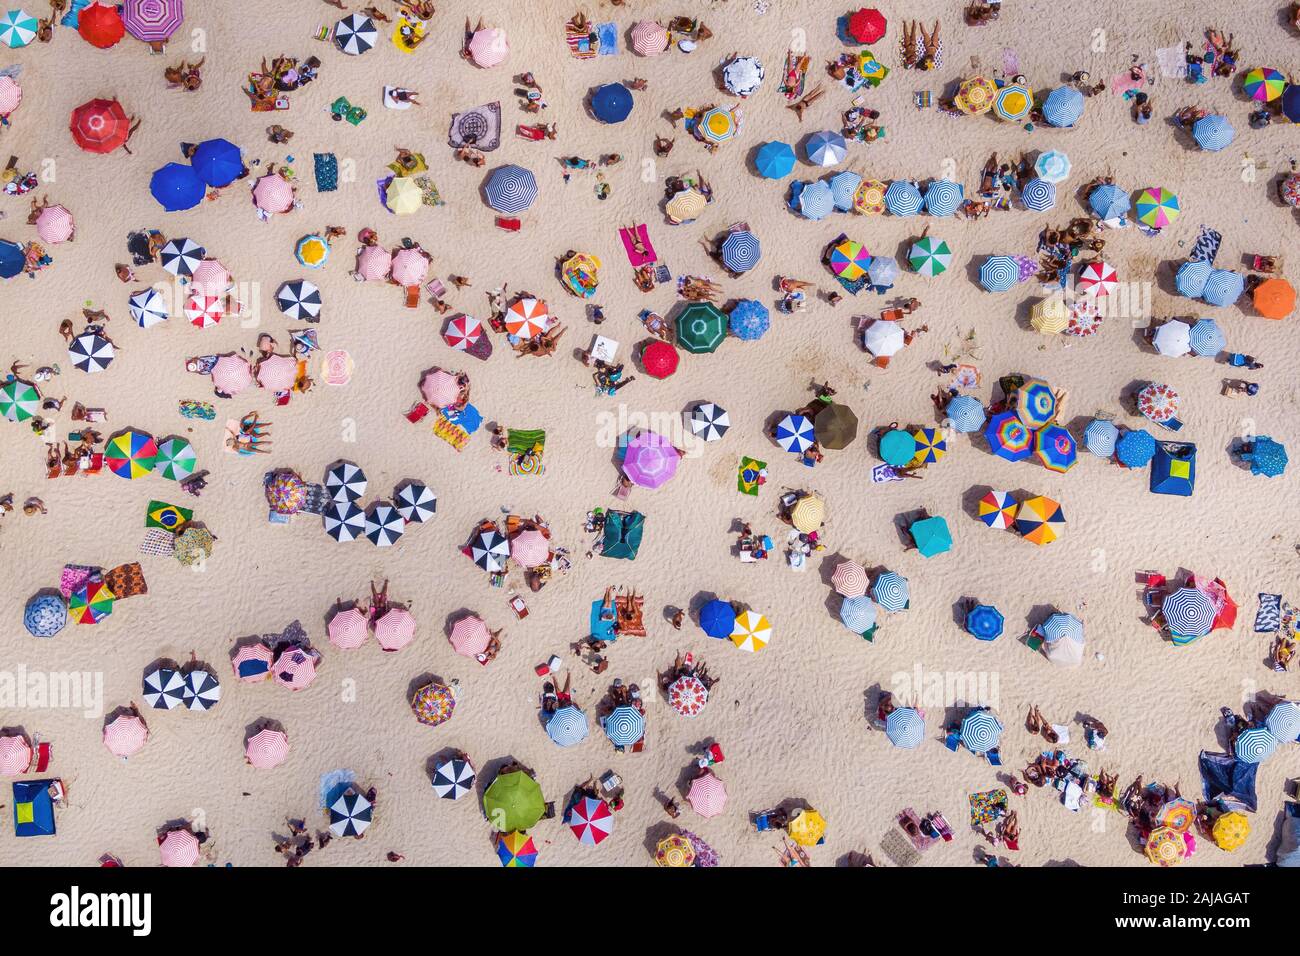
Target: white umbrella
883, 338
1174, 338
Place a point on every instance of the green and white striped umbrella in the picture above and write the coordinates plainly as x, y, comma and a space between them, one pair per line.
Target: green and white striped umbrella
176, 459
930, 256
17, 28
19, 401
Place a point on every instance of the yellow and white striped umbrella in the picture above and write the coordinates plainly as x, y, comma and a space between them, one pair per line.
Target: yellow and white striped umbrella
751, 631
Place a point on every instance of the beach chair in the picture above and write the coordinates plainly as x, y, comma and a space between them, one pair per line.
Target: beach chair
952, 741
762, 822
993, 757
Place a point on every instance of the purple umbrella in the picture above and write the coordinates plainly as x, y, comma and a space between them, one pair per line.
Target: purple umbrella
650, 460
152, 21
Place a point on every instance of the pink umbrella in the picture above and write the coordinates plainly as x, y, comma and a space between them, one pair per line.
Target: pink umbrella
267, 748
272, 193
252, 663
374, 263
649, 38
395, 629
410, 267
849, 579
125, 735
232, 374
15, 755
295, 668
530, 548
650, 460
204, 311
11, 94
210, 278
152, 21
179, 848
349, 629
470, 636
277, 373
55, 224
488, 47
439, 388
707, 795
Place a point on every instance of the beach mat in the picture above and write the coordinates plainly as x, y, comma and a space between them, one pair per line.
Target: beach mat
749, 476
642, 234
1268, 618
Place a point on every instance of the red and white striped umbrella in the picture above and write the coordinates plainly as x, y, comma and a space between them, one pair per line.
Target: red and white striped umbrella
527, 318
591, 820
55, 224
204, 310
179, 848
1097, 279
489, 47
410, 267
11, 95
277, 373
258, 657
470, 636
649, 38
210, 277
849, 579
125, 735
395, 628
530, 548
232, 374
267, 748
462, 332
439, 388
272, 193
348, 629
707, 795
15, 755
294, 668
374, 263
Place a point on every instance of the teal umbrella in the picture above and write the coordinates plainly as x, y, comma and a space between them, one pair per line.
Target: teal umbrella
897, 447
931, 536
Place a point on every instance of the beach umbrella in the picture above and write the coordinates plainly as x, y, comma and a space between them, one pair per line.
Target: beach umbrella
276, 373
591, 820
490, 550
19, 400
125, 735
808, 513
1085, 317
415, 501
402, 197
1040, 520
54, 224
1230, 831
179, 847
905, 727
743, 76
17, 29
148, 307
984, 622
902, 198
980, 731
687, 695
751, 631
1213, 132
1177, 814
527, 318
15, 755
943, 197
101, 126
1097, 279
1188, 612
1135, 448
350, 814
965, 414
1224, 287
218, 162
997, 509
1157, 207
1273, 298
685, 206
884, 338
299, 300
740, 251
858, 614
675, 851
1013, 102
931, 535
717, 618
164, 688
816, 200
1254, 745
649, 38
1100, 437
100, 25
439, 388
267, 748
348, 628
355, 34
1267, 457
849, 260
775, 160
1291, 102
1288, 189
384, 525
433, 704
1009, 437
204, 311
470, 636
650, 460
999, 273
707, 795
709, 421
313, 251
825, 148
489, 47
1055, 449
272, 193
624, 726
177, 187
453, 779
930, 446
394, 629
1035, 403
849, 579
795, 433
1166, 846
1263, 84
1063, 639
717, 125
11, 95
465, 333
869, 197
1063, 106
1191, 278
897, 447
975, 95
193, 546
202, 690
807, 827
1174, 338
530, 548
866, 25
181, 256
567, 726
130, 454
930, 257
883, 271
510, 189
835, 426
152, 21
232, 374
90, 352
611, 103
176, 460
45, 615
1283, 721
844, 185
1038, 195
1053, 166
1108, 201
345, 481
1050, 316
516, 850
13, 258
1158, 402
891, 591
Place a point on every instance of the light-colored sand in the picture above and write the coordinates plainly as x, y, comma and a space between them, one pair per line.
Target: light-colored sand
790, 719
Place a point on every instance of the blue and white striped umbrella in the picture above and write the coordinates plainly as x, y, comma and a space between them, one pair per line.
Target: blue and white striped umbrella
567, 726
1283, 721
1207, 338
905, 728
903, 199
1063, 106
510, 189
813, 200
1188, 612
1223, 287
1213, 132
1062, 627
858, 614
999, 273
891, 591
1191, 278
980, 731
843, 186
883, 270
45, 615
1053, 165
1038, 195
826, 148
148, 307
943, 197
795, 433
1100, 437
966, 414
1108, 201
624, 726
1254, 745
741, 251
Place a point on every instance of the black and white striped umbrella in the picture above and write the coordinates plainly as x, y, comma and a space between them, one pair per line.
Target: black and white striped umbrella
415, 501
709, 421
344, 521
490, 550
350, 814
298, 299
453, 779
90, 352
181, 257
345, 481
355, 34
202, 690
1189, 612
148, 307
164, 688
383, 524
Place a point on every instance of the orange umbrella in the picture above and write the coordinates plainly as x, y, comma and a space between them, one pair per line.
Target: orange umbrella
1274, 298
100, 25
100, 126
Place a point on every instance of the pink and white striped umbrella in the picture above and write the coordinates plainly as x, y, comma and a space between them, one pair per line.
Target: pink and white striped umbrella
1097, 279
294, 668
179, 848
374, 263
15, 755
210, 278
11, 95
707, 795
259, 659
439, 388
410, 267
232, 374
277, 373
55, 224
204, 311
272, 193
152, 21
649, 38
470, 636
488, 47
348, 629
395, 628
530, 548
125, 735
267, 748
849, 579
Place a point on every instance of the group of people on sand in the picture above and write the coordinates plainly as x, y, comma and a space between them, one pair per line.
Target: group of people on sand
686, 665
295, 847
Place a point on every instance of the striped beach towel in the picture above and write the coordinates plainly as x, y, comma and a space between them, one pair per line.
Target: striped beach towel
1268, 619
1206, 246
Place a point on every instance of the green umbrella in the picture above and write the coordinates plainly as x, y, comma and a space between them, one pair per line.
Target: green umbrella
931, 536
701, 327
19, 401
513, 802
835, 426
176, 459
930, 256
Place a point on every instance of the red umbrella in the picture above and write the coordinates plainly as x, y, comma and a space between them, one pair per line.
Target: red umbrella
867, 25
659, 359
100, 126
100, 26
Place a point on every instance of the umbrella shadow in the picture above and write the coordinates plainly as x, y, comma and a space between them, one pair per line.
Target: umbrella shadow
827, 567
700, 599
166, 663
657, 832
970, 500
1128, 396
903, 520
959, 609
428, 677
263, 723
456, 616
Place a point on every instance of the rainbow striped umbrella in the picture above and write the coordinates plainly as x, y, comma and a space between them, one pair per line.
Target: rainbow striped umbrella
1055, 449
130, 454
850, 260
516, 850
1008, 437
1157, 207
1035, 403
1263, 83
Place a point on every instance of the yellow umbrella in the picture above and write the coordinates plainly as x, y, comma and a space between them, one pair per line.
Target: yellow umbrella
686, 205
808, 513
1166, 846
807, 827
975, 96
1230, 830
1050, 316
751, 632
869, 197
404, 196
1013, 102
675, 850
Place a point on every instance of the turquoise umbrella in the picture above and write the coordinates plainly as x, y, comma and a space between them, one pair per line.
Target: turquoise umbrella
897, 447
931, 535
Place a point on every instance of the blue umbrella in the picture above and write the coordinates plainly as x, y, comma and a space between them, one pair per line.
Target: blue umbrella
826, 148
966, 413
1207, 338
775, 160
1135, 448
624, 726
177, 187
1291, 102
1255, 744
984, 622
1266, 456
1283, 721
1188, 612
611, 103
717, 618
1063, 106
858, 614
903, 198
1062, 627
795, 433
741, 251
12, 259
45, 615
218, 162
980, 731
1191, 277
843, 186
510, 189
567, 726
1038, 195
943, 197
813, 200
1108, 201
1100, 437
1213, 132
1223, 287
891, 591
748, 320
905, 728
999, 273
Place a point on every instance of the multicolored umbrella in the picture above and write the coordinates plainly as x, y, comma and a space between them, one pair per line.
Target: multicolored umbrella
130, 454
930, 257
1157, 207
91, 603
984, 622
650, 460
849, 259
17, 29
19, 400
1166, 846
687, 695
1097, 279
1040, 520
1009, 437
997, 509
1035, 403
433, 704
930, 446
1158, 402
176, 459
869, 197
204, 311
980, 731
193, 545
975, 96
1263, 84
1288, 189
1055, 449
675, 851
751, 631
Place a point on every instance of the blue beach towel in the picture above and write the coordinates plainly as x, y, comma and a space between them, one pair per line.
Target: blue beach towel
608, 34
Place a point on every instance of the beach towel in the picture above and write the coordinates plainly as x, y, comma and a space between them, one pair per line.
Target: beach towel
583, 42
1172, 62
639, 234
190, 408
526, 447
986, 806
448, 431
750, 475
883, 473
126, 580
159, 514
316, 500
1268, 619
479, 127
922, 99
607, 37
1206, 246
918, 839
158, 542
75, 576
602, 629
1010, 62
326, 169
895, 846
